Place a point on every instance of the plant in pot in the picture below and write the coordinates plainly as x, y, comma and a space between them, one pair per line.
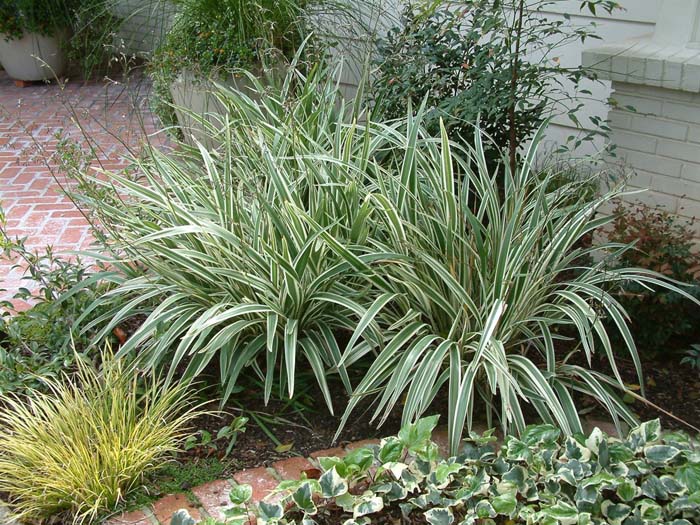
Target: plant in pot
32, 37
221, 41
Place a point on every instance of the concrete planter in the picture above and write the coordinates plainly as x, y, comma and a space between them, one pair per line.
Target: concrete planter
197, 105
33, 57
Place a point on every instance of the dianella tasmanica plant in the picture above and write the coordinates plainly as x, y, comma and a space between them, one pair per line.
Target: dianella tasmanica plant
303, 228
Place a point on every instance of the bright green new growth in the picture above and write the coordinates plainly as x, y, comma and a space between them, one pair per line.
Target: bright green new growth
79, 449
304, 224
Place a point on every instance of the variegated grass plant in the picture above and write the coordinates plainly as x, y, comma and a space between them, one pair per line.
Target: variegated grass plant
78, 450
303, 224
241, 277
485, 283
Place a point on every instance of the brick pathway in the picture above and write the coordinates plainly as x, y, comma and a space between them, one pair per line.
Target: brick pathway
30, 184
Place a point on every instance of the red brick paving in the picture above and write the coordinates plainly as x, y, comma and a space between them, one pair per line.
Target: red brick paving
260, 479
164, 508
292, 468
30, 184
137, 517
214, 498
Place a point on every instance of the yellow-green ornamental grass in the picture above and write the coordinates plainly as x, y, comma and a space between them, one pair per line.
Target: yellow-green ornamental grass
81, 447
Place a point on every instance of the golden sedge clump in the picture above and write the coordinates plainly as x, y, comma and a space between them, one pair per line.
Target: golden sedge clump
80, 448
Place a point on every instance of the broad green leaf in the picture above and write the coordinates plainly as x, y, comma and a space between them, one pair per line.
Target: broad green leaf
505, 504
332, 484
270, 511
689, 476
439, 516
302, 497
241, 494
661, 454
615, 512
628, 490
368, 505
538, 434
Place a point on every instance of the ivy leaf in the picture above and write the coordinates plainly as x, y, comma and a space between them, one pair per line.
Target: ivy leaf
537, 434
390, 450
416, 436
303, 499
370, 505
357, 460
689, 475
270, 511
505, 504
517, 450
645, 433
439, 516
484, 509
649, 510
661, 454
241, 494
615, 512
332, 484
328, 463
562, 512
627, 490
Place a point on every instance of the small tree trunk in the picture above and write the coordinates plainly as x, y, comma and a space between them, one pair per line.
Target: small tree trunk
513, 142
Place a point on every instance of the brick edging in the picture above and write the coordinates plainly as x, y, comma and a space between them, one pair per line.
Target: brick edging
210, 499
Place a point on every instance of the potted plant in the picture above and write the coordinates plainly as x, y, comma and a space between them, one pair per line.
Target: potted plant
32, 37
216, 41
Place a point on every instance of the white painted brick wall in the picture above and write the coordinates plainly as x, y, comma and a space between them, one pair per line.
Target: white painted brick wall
660, 142
144, 25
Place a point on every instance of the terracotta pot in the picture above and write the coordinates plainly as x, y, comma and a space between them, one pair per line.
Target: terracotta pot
33, 57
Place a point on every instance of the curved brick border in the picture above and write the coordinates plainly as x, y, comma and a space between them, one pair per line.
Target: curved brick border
211, 498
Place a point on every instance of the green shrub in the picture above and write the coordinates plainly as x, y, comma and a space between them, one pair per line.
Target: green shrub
480, 59
663, 243
214, 38
540, 478
40, 342
483, 288
79, 449
44, 17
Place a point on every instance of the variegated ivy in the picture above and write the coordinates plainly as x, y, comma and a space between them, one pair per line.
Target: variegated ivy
540, 478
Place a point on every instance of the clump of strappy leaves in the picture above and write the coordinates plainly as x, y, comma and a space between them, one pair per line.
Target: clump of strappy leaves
539, 478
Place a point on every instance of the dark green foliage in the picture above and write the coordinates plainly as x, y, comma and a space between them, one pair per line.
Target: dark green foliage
45, 17
664, 244
40, 341
692, 357
214, 37
474, 59
91, 45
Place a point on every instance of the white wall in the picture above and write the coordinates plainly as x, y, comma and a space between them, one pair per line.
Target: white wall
144, 24
636, 20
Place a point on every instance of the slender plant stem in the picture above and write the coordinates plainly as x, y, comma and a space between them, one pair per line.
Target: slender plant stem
513, 146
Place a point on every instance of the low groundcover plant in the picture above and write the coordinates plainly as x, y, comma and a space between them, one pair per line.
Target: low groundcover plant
77, 450
538, 478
